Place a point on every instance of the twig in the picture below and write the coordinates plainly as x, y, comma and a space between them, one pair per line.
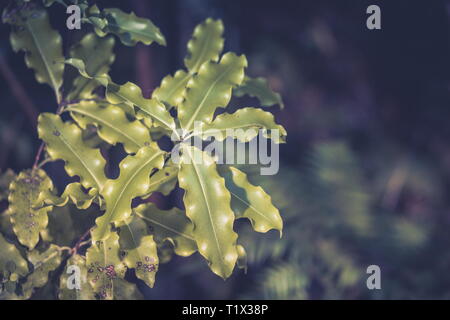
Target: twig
38, 155
80, 242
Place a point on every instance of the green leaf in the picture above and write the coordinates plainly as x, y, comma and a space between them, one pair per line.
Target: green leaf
129, 28
43, 263
133, 181
131, 95
112, 124
259, 88
5, 179
11, 261
253, 203
86, 291
210, 89
164, 180
139, 250
244, 125
64, 141
26, 221
206, 44
207, 203
97, 54
74, 192
105, 267
42, 45
172, 88
169, 225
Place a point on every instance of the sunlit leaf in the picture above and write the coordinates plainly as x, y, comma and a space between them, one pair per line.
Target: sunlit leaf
206, 44
105, 267
252, 203
207, 203
74, 192
112, 124
64, 141
133, 181
131, 94
164, 180
244, 125
211, 88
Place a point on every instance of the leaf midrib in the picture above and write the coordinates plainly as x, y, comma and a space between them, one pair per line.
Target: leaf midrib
63, 139
207, 205
164, 226
110, 213
200, 106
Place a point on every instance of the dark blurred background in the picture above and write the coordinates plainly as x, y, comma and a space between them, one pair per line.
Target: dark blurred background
364, 176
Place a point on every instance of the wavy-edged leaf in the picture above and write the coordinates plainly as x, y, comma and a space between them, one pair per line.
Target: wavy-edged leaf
64, 141
133, 181
169, 225
112, 124
11, 261
211, 88
73, 192
259, 88
85, 292
138, 250
131, 94
244, 125
164, 180
5, 179
206, 44
28, 222
207, 203
127, 26
43, 263
97, 54
172, 88
33, 34
252, 202
105, 267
